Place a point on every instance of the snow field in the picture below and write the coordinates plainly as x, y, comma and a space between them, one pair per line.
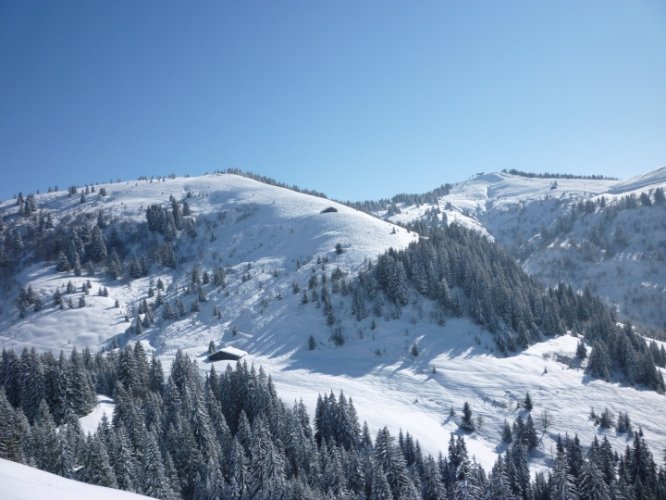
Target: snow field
20, 482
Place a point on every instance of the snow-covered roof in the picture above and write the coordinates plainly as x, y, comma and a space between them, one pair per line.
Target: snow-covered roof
233, 351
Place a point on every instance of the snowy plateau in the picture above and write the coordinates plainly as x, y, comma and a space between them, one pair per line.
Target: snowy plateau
270, 241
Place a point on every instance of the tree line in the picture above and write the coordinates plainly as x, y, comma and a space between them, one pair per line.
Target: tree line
229, 435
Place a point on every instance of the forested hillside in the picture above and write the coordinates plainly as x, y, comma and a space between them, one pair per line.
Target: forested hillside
230, 436
588, 231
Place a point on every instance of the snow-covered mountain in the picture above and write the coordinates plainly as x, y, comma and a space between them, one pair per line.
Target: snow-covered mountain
271, 247
606, 234
265, 237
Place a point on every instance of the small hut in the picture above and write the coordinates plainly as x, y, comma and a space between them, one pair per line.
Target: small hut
227, 354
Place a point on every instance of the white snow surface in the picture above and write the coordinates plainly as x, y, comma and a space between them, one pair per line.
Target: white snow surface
20, 482
405, 393
278, 237
640, 182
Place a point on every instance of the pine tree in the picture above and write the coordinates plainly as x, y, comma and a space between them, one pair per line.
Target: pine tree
507, 437
202, 428
381, 490
238, 469
98, 252
659, 197
267, 465
123, 461
498, 487
45, 446
530, 439
599, 364
62, 262
155, 483
519, 470
80, 391
65, 465
13, 429
393, 464
562, 485
32, 384
581, 351
527, 403
592, 484
96, 468
432, 487
467, 424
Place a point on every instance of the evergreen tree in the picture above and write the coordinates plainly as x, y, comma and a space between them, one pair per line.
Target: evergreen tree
392, 462
659, 197
507, 437
45, 445
202, 429
381, 490
432, 486
98, 252
65, 465
238, 470
527, 403
498, 487
562, 485
592, 484
267, 464
154, 479
123, 462
96, 468
32, 384
581, 351
62, 262
13, 430
80, 391
467, 424
599, 364
517, 467
529, 436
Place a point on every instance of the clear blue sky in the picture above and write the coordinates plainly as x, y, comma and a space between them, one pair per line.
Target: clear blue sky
359, 99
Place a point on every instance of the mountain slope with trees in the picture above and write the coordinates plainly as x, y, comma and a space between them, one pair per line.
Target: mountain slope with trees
584, 230
230, 436
409, 322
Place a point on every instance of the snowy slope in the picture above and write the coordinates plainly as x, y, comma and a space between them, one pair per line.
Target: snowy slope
515, 211
269, 238
404, 392
20, 482
642, 182
242, 222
